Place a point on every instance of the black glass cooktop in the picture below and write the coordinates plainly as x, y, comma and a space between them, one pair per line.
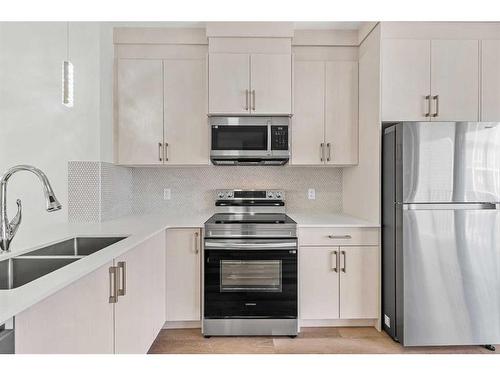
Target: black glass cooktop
250, 219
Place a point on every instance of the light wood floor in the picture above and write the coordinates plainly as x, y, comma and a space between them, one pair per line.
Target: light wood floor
363, 340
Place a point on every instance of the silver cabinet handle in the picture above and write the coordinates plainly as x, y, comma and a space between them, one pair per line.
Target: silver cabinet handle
428, 98
246, 99
113, 292
334, 268
340, 237
328, 146
436, 113
196, 242
166, 151
322, 151
344, 267
253, 100
122, 289
160, 151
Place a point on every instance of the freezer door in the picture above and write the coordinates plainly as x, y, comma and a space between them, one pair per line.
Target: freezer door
451, 276
451, 162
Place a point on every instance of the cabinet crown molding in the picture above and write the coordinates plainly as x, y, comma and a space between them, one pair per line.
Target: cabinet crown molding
159, 35
250, 29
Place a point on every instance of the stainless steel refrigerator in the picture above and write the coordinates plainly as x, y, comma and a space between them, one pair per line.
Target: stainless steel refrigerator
441, 233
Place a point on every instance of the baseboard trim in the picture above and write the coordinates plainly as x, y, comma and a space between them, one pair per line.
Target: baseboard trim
338, 323
302, 323
182, 324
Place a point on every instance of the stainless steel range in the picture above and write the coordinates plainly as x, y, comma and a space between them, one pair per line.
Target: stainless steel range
250, 266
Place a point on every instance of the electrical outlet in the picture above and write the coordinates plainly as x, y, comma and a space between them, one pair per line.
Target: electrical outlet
166, 194
311, 193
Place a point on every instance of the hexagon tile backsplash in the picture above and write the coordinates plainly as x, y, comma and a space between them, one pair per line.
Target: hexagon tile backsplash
102, 191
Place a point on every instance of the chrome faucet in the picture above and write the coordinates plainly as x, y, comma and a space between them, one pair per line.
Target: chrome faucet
8, 228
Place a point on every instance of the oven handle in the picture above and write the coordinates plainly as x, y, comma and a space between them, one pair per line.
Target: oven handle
249, 245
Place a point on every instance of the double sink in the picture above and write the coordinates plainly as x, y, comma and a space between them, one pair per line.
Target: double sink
20, 270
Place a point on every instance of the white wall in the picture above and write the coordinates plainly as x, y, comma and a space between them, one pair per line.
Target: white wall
35, 128
106, 61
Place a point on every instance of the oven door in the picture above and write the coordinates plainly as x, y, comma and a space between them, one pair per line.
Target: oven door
250, 278
240, 140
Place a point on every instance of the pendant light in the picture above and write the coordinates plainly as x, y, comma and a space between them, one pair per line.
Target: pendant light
67, 75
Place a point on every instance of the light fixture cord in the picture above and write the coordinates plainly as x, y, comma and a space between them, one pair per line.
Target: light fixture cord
67, 41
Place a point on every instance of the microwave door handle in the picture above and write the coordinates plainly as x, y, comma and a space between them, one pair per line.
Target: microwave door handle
269, 136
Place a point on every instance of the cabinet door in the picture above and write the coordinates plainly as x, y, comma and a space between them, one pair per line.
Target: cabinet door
186, 128
308, 122
76, 320
140, 111
140, 312
229, 83
271, 84
183, 274
490, 80
405, 79
455, 80
319, 283
341, 112
359, 280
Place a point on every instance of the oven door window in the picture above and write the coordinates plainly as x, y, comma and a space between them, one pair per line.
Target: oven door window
250, 276
239, 138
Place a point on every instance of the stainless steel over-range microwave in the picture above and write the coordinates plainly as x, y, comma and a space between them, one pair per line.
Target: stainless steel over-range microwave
250, 140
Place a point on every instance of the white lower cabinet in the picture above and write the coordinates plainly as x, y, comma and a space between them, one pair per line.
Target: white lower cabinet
338, 280
359, 279
319, 283
140, 311
83, 318
183, 275
76, 320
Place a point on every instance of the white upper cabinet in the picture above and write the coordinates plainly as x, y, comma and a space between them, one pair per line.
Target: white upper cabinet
229, 83
430, 80
325, 121
271, 84
341, 112
490, 80
140, 111
162, 109
455, 80
185, 103
406, 71
308, 121
241, 83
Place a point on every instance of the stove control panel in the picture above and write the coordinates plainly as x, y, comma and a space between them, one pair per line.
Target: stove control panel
237, 194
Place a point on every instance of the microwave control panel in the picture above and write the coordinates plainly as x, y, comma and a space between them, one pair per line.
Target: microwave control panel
279, 138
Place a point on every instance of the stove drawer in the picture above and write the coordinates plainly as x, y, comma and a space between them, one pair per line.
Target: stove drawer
328, 236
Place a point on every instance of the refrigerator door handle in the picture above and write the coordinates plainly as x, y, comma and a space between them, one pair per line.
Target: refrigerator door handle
451, 206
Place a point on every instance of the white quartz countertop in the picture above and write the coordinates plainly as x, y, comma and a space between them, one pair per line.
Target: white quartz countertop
137, 229
340, 220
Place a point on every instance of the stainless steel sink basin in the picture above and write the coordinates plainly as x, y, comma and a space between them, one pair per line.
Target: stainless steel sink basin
15, 272
20, 270
78, 246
